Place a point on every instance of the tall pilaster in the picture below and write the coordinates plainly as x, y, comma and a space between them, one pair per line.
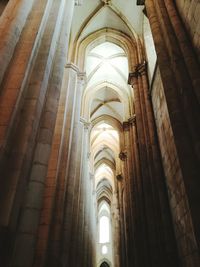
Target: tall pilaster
181, 83
150, 194
78, 176
49, 233
73, 182
116, 230
35, 105
15, 81
12, 22
127, 163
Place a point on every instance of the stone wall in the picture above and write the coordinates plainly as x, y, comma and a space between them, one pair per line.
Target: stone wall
34, 52
189, 11
183, 227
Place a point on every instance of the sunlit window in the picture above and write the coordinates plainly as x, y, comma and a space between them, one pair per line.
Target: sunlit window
104, 230
104, 250
104, 207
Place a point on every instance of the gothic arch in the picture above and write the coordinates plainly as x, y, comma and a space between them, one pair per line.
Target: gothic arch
119, 38
104, 264
107, 162
105, 261
124, 95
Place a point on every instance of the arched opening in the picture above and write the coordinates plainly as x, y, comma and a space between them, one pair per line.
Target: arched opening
106, 104
104, 264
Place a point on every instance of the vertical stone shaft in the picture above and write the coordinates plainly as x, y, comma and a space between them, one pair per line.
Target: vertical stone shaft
187, 93
73, 180
16, 150
14, 85
158, 184
65, 122
146, 204
78, 175
56, 173
21, 147
177, 102
187, 51
85, 192
12, 22
129, 170
137, 198
29, 220
152, 186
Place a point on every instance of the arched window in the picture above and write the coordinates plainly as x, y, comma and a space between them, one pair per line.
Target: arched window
104, 207
104, 235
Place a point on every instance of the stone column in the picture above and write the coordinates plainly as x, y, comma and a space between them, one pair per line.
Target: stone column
84, 204
14, 135
12, 22
38, 112
54, 193
116, 229
151, 193
122, 231
33, 99
137, 195
73, 183
91, 204
14, 86
142, 187
78, 176
128, 178
181, 82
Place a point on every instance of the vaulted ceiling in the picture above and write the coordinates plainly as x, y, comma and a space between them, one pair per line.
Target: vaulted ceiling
103, 42
107, 98
123, 15
107, 75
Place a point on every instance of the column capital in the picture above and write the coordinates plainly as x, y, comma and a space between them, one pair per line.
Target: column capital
132, 120
85, 123
132, 77
140, 69
72, 66
126, 126
123, 155
119, 177
82, 77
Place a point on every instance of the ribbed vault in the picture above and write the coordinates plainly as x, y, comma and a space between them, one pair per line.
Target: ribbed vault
105, 47
106, 104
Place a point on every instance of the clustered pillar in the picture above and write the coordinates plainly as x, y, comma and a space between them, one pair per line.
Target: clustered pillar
181, 83
41, 160
150, 238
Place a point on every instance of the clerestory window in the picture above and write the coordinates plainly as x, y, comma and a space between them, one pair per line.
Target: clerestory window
104, 231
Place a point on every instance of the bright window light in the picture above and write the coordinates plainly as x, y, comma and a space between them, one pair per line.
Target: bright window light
104, 230
104, 207
104, 250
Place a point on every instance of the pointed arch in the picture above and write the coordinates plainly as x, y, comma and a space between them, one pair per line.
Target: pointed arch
129, 45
